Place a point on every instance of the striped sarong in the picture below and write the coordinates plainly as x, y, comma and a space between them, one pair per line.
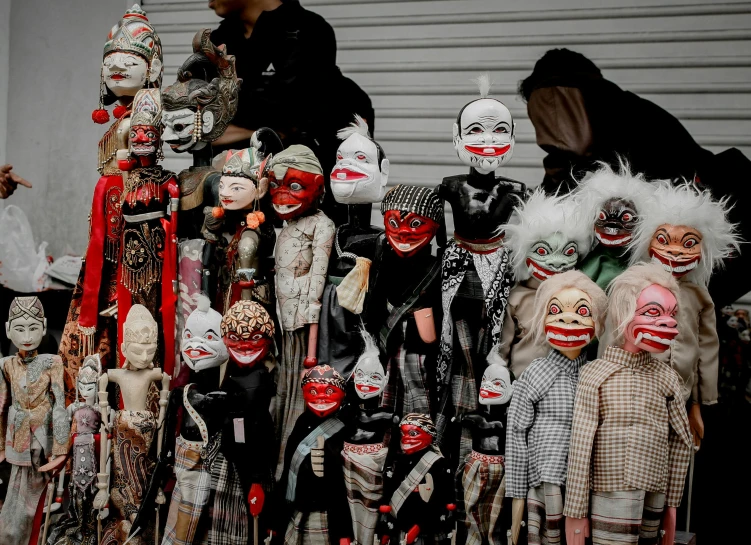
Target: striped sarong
363, 476
484, 484
289, 401
545, 514
308, 529
412, 480
408, 370
230, 520
628, 516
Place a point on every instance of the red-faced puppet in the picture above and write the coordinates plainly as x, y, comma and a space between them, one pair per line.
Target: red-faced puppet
322, 390
418, 433
411, 216
295, 182
248, 333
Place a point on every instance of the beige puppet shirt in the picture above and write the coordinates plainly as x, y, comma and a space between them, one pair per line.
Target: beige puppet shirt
518, 345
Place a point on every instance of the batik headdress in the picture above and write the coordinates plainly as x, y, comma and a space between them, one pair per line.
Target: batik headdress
422, 421
246, 317
323, 374
26, 307
420, 200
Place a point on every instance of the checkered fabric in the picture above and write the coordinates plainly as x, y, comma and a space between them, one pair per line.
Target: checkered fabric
484, 488
539, 423
630, 430
363, 475
544, 515
230, 520
630, 516
308, 529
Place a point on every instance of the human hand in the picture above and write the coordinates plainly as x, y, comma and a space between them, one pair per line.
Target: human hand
9, 181
696, 423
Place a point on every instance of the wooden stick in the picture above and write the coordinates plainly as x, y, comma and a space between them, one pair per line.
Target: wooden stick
50, 495
255, 531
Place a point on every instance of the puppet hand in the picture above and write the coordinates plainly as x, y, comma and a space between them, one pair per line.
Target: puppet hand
668, 525
412, 534
576, 530
696, 423
345, 541
104, 513
101, 499
256, 497
54, 464
310, 361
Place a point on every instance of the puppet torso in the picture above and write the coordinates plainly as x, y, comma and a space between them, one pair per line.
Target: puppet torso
519, 347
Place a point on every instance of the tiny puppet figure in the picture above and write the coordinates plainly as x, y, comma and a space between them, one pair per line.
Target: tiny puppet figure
33, 422
548, 238
687, 232
311, 500
630, 442
302, 259
569, 314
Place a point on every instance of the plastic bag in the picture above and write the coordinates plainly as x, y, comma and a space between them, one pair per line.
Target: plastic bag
22, 265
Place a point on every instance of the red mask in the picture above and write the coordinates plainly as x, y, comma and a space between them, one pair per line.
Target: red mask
247, 332
653, 326
322, 398
246, 353
297, 193
414, 439
410, 233
144, 140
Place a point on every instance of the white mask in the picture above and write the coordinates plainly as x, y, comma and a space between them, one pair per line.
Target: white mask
357, 177
178, 129
202, 345
484, 137
368, 374
26, 332
495, 388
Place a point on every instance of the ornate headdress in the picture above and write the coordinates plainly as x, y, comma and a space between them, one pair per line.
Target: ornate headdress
245, 317
323, 374
134, 34
240, 163
140, 326
411, 198
26, 307
147, 108
422, 421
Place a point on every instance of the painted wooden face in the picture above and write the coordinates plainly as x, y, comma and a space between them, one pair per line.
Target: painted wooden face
408, 233
495, 388
201, 345
358, 177
569, 324
297, 193
677, 248
653, 327
484, 135
553, 255
615, 222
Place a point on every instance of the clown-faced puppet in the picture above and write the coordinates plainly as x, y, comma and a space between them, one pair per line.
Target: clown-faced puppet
625, 392
33, 422
688, 234
311, 495
547, 238
569, 314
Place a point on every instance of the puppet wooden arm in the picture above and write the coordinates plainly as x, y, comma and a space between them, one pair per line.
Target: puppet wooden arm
102, 497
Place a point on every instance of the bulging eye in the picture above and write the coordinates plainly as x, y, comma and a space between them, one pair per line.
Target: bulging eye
497, 384
571, 250
415, 223
412, 433
375, 377
233, 337
151, 135
329, 391
313, 391
393, 224
210, 337
601, 215
584, 311
555, 309
188, 336
294, 186
652, 312
662, 239
541, 251
273, 185
132, 134
690, 243
627, 216
476, 130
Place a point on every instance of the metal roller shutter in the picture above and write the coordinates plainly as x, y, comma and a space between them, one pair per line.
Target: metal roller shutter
416, 58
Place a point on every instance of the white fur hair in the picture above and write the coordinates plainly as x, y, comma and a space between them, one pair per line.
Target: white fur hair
537, 219
483, 84
358, 126
683, 204
371, 348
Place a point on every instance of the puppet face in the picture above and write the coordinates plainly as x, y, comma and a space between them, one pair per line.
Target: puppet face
144, 140
322, 398
569, 325
297, 193
414, 438
495, 388
484, 137
237, 192
86, 389
139, 355
357, 176
26, 332
248, 333
369, 376
677, 248
124, 73
551, 256
179, 126
202, 345
653, 326
615, 222
409, 233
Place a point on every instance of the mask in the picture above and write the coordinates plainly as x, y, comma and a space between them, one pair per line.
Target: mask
144, 140
653, 326
237, 192
569, 325
297, 193
484, 135
179, 126
414, 439
369, 376
358, 178
552, 256
322, 398
677, 248
615, 222
124, 73
201, 345
248, 333
409, 233
495, 388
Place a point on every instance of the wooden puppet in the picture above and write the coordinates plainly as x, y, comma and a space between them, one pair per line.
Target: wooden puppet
569, 314
688, 233
33, 423
548, 238
302, 258
630, 442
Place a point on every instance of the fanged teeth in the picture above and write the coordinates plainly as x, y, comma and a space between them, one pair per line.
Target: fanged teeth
569, 338
656, 339
680, 269
616, 242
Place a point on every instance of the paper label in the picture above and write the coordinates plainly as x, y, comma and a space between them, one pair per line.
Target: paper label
239, 424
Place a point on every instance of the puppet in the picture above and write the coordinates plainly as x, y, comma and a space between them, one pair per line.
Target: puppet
33, 422
630, 442
614, 202
133, 428
358, 180
132, 61
569, 314
476, 275
311, 501
407, 302
482, 479
364, 449
688, 233
302, 258
417, 503
547, 239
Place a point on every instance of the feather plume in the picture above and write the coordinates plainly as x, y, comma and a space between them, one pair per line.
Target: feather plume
483, 84
358, 126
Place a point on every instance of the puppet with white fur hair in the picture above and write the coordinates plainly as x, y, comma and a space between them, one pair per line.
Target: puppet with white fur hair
612, 205
547, 238
688, 233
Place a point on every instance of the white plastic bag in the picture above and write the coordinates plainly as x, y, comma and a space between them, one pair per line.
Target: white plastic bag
22, 265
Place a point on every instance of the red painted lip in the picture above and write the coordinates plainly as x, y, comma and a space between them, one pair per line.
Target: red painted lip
614, 237
569, 331
540, 272
366, 389
227, 201
117, 76
667, 333
480, 150
349, 175
197, 353
487, 394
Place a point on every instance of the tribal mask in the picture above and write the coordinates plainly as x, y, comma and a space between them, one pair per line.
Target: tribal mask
653, 327
418, 433
484, 135
201, 345
139, 338
26, 325
569, 324
368, 374
615, 222
495, 388
248, 333
296, 182
551, 256
322, 390
362, 170
411, 216
677, 248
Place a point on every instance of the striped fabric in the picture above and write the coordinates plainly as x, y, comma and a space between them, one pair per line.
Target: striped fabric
363, 476
229, 513
26, 486
484, 484
308, 529
545, 515
630, 516
412, 480
289, 401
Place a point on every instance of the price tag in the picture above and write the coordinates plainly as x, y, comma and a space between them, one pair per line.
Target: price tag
239, 424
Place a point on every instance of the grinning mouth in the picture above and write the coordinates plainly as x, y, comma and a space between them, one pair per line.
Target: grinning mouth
656, 337
406, 246
244, 356
612, 240
487, 394
490, 150
365, 389
678, 267
569, 337
539, 272
347, 175
321, 407
196, 354
284, 209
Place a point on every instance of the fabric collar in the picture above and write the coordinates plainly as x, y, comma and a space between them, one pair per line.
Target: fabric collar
625, 358
568, 365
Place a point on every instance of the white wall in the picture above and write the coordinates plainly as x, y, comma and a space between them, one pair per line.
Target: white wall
4, 60
53, 85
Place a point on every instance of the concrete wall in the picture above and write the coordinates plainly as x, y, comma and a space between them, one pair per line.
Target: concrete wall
4, 65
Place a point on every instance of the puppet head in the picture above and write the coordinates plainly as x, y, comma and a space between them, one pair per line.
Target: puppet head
248, 333
203, 101
322, 390
496, 387
685, 231
139, 339
368, 374
361, 170
548, 237
484, 131
26, 325
569, 312
240, 187
642, 308
411, 216
201, 345
296, 182
418, 432
87, 381
146, 116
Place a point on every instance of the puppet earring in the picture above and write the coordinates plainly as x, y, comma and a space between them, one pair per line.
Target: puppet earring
100, 115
